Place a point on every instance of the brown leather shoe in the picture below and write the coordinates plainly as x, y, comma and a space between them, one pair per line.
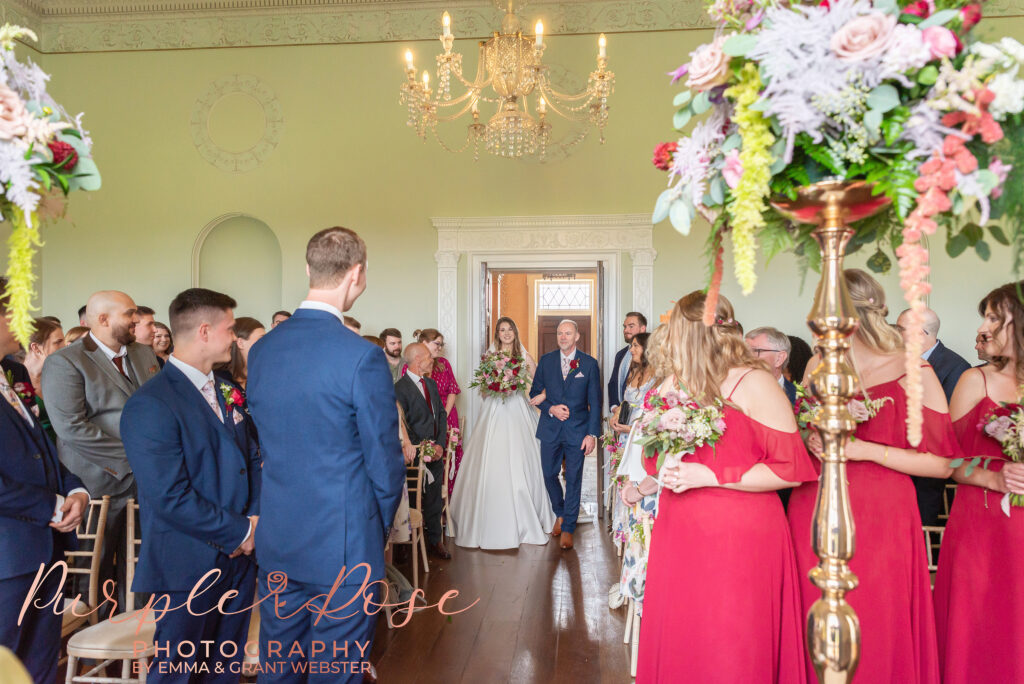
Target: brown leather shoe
566, 541
557, 529
439, 551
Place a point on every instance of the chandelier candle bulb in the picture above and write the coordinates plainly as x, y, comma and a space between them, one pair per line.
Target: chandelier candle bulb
540, 34
602, 47
408, 61
542, 106
446, 24
426, 80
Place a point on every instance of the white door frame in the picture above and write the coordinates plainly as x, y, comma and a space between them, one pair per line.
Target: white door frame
531, 242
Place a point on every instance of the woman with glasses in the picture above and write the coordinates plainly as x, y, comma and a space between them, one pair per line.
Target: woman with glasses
447, 386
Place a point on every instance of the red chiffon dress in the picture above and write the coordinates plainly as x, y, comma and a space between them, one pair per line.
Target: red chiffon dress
722, 601
979, 609
893, 599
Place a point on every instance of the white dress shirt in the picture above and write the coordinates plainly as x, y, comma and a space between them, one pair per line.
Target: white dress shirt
199, 380
930, 350
416, 381
323, 306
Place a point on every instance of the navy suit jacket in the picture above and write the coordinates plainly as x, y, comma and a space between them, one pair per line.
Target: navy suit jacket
31, 477
614, 387
949, 366
580, 391
790, 389
198, 480
333, 472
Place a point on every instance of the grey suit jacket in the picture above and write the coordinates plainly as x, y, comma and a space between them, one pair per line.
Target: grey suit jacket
85, 394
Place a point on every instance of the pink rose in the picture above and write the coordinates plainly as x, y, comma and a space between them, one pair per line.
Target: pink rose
1001, 170
970, 15
940, 41
672, 420
709, 66
919, 8
13, 115
999, 428
865, 37
733, 169
858, 410
671, 398
720, 425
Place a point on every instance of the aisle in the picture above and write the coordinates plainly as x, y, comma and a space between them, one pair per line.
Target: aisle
543, 616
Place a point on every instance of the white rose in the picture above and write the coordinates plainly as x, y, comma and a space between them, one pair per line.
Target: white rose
1009, 95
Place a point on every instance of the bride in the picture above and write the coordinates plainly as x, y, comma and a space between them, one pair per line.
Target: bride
499, 501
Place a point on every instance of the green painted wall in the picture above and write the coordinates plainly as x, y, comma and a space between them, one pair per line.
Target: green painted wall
346, 157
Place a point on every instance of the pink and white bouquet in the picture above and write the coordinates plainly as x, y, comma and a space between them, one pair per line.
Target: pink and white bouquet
430, 451
676, 424
807, 408
897, 93
612, 446
45, 153
501, 374
454, 438
1005, 424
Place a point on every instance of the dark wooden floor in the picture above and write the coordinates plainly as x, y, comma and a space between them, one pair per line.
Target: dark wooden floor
543, 616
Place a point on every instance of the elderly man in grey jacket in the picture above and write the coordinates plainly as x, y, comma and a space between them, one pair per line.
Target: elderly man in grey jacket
86, 386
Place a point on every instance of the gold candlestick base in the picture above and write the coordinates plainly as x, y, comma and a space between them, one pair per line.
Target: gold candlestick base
833, 631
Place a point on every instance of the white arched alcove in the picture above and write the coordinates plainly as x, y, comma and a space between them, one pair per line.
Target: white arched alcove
239, 255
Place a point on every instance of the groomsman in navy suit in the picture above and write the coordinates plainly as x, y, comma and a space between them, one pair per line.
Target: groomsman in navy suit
634, 323
41, 504
198, 476
570, 421
333, 471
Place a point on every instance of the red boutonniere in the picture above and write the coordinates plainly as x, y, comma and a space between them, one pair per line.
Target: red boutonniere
574, 364
232, 396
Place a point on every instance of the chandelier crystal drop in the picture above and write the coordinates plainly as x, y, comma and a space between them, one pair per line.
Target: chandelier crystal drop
513, 82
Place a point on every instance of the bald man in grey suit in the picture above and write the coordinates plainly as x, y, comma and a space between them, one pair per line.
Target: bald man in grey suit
86, 386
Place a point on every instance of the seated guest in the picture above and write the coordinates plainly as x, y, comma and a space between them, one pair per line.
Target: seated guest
948, 366
144, 319
14, 370
248, 332
392, 339
41, 504
979, 346
425, 417
374, 340
441, 372
83, 322
45, 339
773, 346
163, 343
187, 443
353, 325
52, 319
278, 318
799, 354
75, 334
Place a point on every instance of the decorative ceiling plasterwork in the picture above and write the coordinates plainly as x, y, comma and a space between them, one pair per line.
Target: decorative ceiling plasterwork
228, 160
104, 25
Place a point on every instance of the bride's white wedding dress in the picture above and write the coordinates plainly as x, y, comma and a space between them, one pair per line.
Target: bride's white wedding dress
499, 500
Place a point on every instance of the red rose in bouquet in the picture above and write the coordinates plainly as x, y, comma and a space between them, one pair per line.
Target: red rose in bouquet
64, 155
663, 155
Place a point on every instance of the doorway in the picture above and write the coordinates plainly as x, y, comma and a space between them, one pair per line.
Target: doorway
538, 300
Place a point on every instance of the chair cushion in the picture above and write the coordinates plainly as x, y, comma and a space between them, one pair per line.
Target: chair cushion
114, 638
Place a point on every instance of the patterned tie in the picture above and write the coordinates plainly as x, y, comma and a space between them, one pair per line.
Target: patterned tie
211, 398
14, 400
565, 367
426, 394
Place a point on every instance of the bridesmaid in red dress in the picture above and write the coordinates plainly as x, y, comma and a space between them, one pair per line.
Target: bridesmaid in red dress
447, 386
722, 601
893, 599
979, 609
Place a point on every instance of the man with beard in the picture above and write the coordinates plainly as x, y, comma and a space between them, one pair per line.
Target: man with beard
392, 339
86, 386
633, 324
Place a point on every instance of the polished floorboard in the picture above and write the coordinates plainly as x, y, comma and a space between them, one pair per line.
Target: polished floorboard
542, 617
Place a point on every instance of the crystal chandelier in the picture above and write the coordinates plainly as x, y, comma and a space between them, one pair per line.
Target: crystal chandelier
512, 79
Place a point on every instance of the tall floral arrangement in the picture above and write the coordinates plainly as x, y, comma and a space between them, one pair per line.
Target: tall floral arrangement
44, 154
894, 92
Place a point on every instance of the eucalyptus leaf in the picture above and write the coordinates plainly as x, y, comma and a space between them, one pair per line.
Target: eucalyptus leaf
87, 176
973, 233
928, 76
971, 466
955, 246
701, 103
682, 98
777, 166
681, 216
759, 106
939, 18
887, 6
998, 235
732, 142
883, 98
873, 121
681, 118
987, 180
956, 463
879, 262
717, 190
739, 44
983, 250
662, 206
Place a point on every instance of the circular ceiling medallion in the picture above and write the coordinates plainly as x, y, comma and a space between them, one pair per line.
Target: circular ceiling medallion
236, 123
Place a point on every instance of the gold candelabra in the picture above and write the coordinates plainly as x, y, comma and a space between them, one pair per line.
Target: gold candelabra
512, 78
833, 630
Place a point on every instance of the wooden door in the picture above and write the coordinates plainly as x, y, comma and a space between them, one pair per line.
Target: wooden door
547, 332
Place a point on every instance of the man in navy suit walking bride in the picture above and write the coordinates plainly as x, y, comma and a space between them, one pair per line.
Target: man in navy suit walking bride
570, 420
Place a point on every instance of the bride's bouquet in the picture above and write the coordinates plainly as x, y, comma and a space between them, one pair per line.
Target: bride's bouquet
501, 374
676, 424
1003, 424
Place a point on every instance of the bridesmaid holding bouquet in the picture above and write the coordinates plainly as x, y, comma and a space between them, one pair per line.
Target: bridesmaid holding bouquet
722, 599
978, 610
893, 599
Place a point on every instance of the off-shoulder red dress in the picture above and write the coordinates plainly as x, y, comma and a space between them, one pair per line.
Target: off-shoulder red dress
893, 598
979, 609
722, 602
